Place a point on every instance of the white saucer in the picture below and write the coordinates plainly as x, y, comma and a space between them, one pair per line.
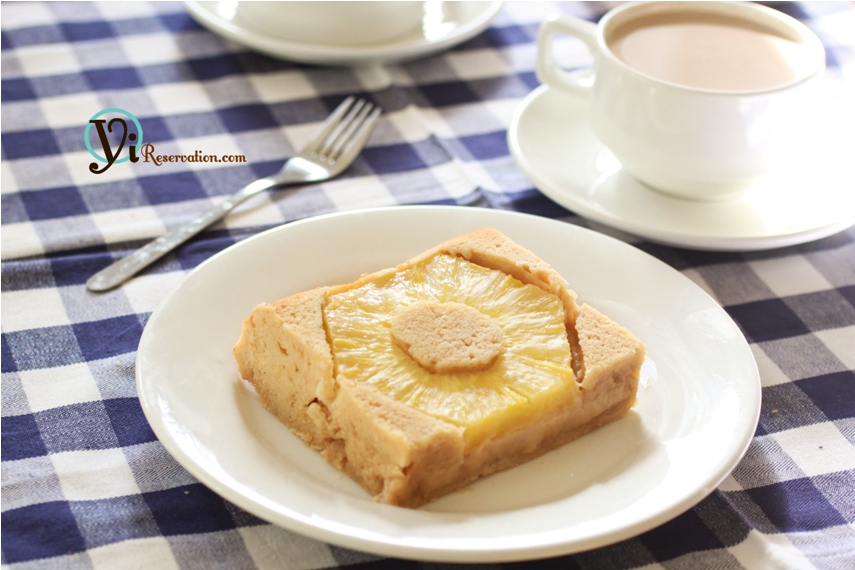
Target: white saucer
810, 198
460, 21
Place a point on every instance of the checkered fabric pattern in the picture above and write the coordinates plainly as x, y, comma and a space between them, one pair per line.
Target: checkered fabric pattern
85, 483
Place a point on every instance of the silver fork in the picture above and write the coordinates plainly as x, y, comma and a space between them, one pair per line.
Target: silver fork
334, 148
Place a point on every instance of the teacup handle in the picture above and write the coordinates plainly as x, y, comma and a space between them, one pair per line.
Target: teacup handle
547, 70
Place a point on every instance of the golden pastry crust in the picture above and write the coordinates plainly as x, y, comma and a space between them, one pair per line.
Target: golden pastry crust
398, 454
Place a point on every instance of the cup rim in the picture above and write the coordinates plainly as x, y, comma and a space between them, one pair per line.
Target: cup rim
768, 15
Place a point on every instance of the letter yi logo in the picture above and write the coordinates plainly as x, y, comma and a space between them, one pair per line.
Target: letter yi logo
113, 146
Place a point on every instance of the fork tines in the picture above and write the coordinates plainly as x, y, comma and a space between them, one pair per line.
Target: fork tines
346, 129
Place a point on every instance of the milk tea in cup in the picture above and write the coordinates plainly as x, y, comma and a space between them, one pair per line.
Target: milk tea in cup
695, 99
710, 51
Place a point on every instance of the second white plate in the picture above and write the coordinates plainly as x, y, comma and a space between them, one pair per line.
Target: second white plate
456, 23
696, 414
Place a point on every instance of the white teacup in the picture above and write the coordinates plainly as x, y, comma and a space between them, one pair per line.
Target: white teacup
338, 23
677, 116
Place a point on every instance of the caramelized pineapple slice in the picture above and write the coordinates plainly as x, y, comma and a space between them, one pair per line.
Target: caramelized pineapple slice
528, 373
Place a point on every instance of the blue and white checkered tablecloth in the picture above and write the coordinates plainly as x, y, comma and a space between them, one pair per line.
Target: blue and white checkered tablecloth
85, 483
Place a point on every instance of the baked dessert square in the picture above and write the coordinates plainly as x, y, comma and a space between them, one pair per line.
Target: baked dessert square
468, 359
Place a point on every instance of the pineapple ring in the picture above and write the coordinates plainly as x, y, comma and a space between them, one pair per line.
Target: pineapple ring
447, 337
532, 377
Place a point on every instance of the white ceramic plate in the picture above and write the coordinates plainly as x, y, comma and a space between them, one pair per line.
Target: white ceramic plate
808, 198
460, 21
697, 410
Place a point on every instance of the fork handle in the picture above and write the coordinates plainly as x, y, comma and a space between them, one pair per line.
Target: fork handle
125, 268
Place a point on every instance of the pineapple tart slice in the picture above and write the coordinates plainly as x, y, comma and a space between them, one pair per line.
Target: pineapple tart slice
458, 363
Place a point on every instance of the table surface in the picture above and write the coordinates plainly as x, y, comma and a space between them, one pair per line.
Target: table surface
86, 484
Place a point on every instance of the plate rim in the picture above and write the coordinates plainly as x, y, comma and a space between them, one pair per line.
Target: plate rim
324, 54
576, 203
414, 550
